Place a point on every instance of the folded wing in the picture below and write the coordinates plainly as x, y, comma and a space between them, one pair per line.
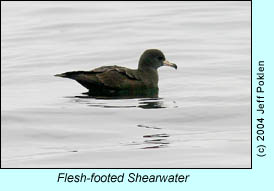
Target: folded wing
108, 77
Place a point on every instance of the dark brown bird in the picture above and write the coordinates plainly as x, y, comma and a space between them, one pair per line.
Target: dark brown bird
114, 80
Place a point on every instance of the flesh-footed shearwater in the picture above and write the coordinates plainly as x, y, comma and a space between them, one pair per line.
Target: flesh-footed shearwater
114, 80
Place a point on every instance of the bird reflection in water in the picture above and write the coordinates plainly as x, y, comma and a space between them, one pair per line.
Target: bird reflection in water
146, 100
151, 103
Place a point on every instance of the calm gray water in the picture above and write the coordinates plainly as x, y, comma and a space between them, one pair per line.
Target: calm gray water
202, 116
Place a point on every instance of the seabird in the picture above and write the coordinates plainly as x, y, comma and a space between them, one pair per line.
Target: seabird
116, 80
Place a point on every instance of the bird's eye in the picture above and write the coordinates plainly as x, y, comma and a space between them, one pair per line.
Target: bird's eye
160, 58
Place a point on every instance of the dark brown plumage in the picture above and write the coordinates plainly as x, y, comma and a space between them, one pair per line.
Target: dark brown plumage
113, 80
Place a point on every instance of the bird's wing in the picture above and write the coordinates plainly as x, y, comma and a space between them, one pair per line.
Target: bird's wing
115, 77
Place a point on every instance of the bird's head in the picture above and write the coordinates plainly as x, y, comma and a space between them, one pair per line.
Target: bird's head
153, 58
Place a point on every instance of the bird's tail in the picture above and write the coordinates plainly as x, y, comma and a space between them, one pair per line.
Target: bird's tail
69, 74
63, 75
